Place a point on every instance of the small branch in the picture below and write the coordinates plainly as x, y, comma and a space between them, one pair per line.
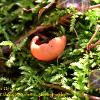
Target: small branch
94, 6
94, 45
98, 42
76, 33
27, 10
56, 86
37, 30
97, 28
94, 98
91, 97
89, 44
46, 8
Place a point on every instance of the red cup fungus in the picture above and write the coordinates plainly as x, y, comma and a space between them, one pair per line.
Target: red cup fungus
48, 51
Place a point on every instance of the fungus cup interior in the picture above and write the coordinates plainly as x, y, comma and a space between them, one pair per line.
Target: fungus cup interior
41, 41
44, 37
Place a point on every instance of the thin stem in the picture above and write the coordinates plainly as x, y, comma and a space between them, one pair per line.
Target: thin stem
58, 87
98, 42
94, 35
94, 6
76, 33
90, 45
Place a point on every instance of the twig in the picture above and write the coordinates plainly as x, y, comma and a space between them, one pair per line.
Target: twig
46, 8
89, 44
98, 42
27, 10
95, 33
38, 29
94, 98
94, 6
56, 86
76, 33
91, 97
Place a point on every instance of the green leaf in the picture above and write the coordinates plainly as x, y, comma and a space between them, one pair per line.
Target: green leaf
6, 43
